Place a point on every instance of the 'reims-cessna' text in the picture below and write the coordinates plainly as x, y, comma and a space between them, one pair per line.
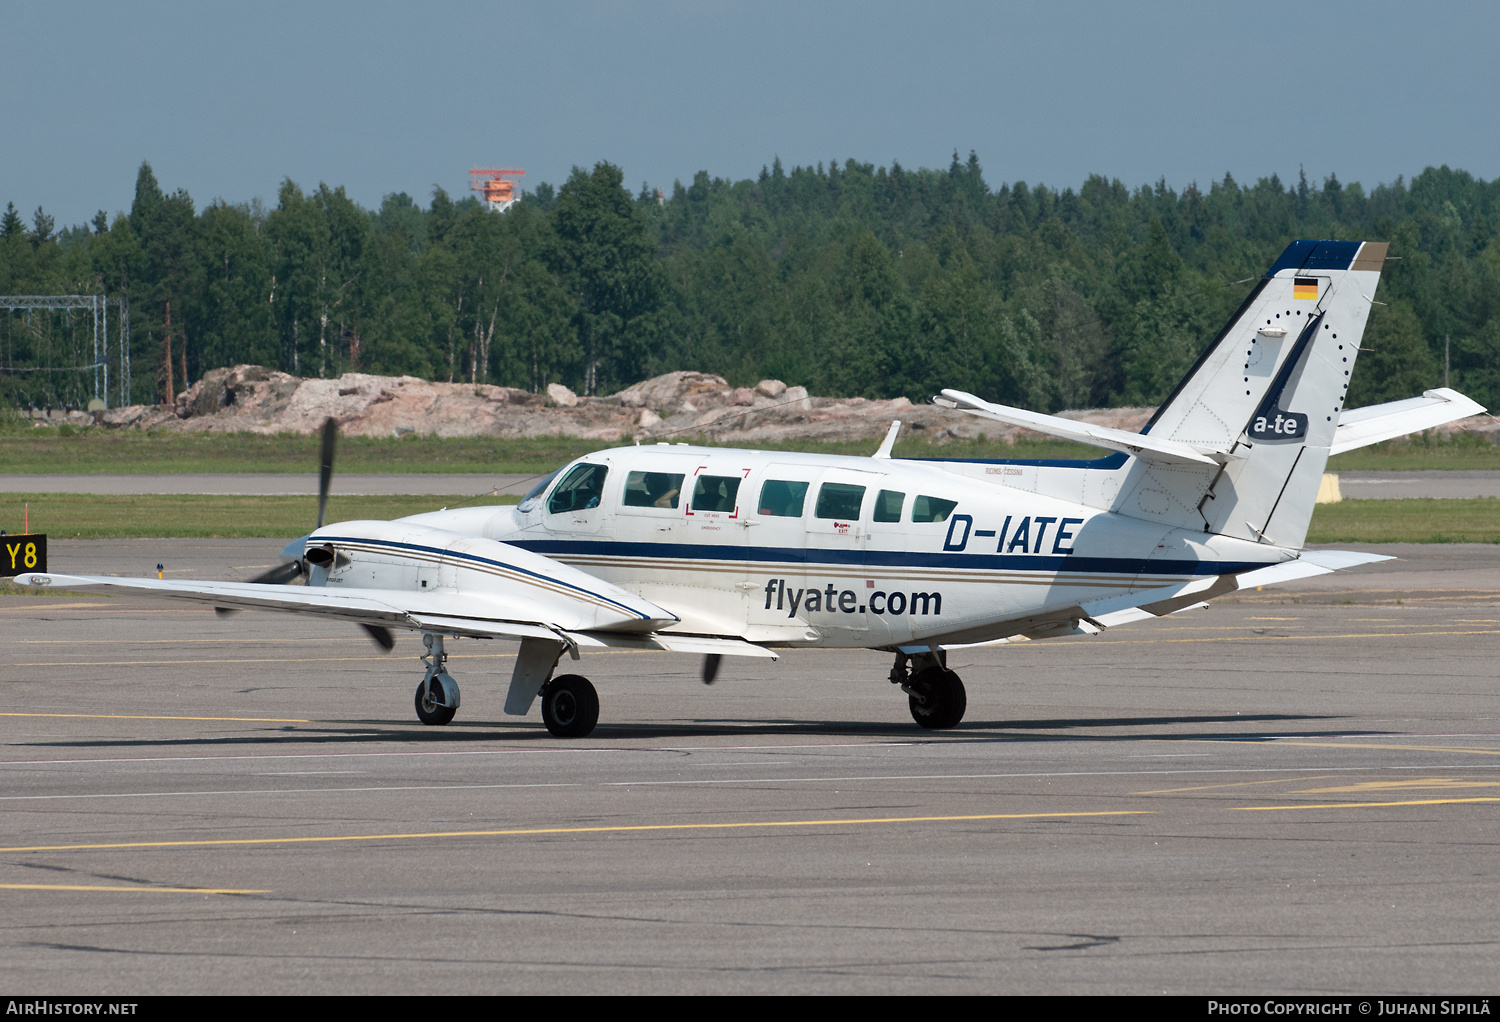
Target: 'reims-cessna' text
829, 599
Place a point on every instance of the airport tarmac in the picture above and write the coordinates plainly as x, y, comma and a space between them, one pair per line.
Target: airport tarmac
1294, 791
1356, 485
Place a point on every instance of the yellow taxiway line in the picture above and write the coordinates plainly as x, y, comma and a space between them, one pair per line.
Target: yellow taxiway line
133, 716
532, 831
1273, 742
149, 890
1368, 805
1233, 784
1302, 638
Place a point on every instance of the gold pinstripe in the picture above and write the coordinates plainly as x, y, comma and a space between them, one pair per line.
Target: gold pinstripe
484, 567
739, 568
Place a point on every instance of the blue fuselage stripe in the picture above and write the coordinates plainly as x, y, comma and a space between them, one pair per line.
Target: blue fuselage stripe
1069, 563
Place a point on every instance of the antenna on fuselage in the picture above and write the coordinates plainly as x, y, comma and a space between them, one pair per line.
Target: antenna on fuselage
889, 442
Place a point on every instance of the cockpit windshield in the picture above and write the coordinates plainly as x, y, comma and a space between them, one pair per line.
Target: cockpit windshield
533, 497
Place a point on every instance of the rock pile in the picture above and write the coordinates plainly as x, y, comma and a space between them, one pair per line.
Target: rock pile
680, 405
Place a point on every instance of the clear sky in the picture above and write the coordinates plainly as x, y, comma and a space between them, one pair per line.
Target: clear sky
228, 100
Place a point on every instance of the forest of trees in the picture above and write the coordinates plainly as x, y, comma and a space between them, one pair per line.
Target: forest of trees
847, 279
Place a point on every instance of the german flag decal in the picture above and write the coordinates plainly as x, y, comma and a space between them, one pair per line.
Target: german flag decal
1305, 287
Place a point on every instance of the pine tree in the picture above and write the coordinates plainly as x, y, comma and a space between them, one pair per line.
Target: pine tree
41, 228
11, 226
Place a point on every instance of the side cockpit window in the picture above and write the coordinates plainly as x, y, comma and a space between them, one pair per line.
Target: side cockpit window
653, 489
580, 489
932, 509
782, 498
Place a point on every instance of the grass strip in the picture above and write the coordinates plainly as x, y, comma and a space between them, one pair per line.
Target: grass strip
89, 451
176, 516
1412, 520
1413, 459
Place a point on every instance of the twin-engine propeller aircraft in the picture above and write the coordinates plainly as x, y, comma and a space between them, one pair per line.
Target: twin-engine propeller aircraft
729, 552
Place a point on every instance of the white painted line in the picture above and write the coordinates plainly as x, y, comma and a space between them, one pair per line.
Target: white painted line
849, 779
457, 752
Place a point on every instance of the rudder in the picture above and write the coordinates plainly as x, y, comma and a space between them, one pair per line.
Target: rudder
1278, 377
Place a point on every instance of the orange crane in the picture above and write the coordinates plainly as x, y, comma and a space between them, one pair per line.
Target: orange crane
499, 194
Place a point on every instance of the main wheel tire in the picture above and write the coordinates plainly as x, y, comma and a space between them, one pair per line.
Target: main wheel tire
939, 701
570, 706
429, 711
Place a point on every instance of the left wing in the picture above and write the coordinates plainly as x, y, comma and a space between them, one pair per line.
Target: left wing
481, 615
521, 615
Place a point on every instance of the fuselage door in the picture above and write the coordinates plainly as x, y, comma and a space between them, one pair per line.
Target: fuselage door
781, 505
574, 507
836, 508
705, 584
830, 594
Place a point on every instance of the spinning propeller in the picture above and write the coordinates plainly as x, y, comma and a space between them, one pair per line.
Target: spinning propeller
297, 566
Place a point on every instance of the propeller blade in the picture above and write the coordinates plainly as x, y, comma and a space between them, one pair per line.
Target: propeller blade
279, 575
382, 636
325, 465
711, 667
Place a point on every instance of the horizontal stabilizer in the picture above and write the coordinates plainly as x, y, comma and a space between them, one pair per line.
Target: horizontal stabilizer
1092, 617
1141, 606
1120, 610
1370, 425
1141, 445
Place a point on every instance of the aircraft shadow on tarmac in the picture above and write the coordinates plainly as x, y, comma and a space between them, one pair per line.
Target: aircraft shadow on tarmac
1073, 729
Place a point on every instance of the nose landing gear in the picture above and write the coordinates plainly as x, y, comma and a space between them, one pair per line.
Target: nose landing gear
437, 695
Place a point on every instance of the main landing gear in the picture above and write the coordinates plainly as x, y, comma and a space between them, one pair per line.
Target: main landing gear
570, 706
936, 694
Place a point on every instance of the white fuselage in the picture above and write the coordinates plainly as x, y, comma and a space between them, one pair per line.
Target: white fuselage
932, 554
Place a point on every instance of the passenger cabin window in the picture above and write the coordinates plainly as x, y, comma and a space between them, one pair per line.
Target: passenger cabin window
932, 509
888, 506
783, 498
653, 489
716, 493
839, 500
580, 489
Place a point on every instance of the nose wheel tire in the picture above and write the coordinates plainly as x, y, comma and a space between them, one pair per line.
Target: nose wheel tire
570, 706
429, 710
938, 699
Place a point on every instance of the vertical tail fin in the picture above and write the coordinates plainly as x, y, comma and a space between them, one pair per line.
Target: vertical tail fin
1270, 388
